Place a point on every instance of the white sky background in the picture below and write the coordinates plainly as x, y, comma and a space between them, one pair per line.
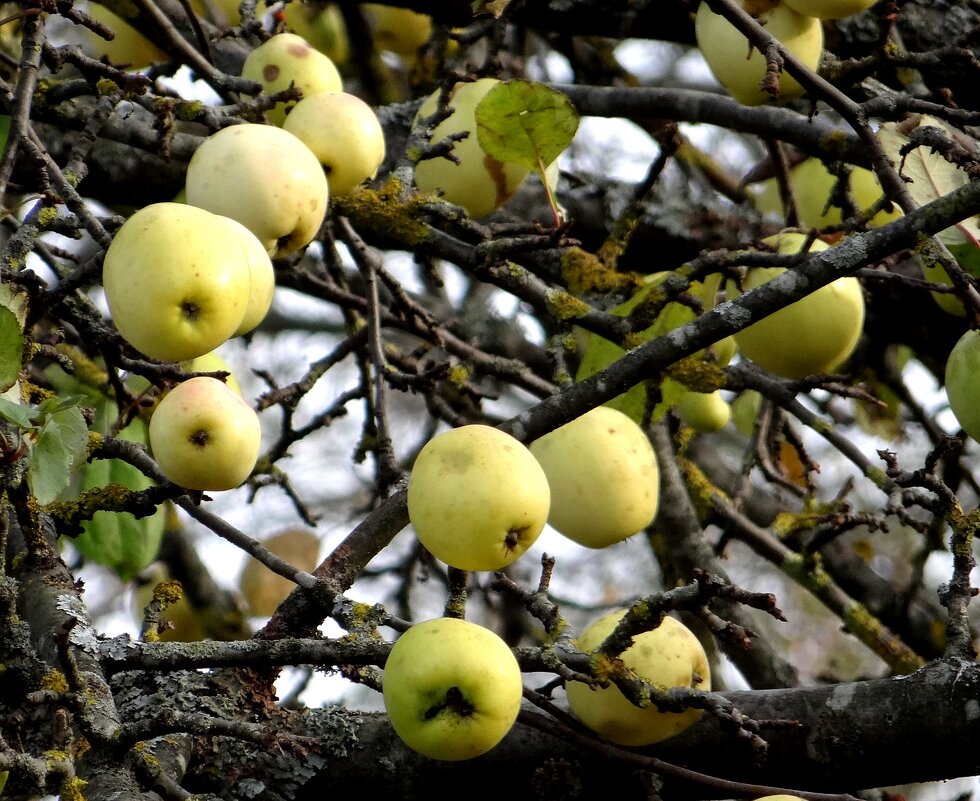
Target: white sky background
321, 470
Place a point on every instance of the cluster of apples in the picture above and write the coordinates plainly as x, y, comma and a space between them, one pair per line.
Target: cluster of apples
477, 499
796, 24
452, 688
182, 278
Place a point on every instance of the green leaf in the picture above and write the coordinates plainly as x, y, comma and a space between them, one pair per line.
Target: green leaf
4, 130
525, 122
18, 414
49, 469
119, 540
11, 348
967, 255
73, 432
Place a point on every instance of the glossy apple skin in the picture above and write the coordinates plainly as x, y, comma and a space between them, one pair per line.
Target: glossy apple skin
603, 475
668, 656
175, 289
262, 275
829, 9
204, 436
816, 334
344, 134
266, 179
963, 382
477, 498
285, 60
740, 72
479, 183
452, 689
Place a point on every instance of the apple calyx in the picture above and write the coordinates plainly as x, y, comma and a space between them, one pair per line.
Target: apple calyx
454, 701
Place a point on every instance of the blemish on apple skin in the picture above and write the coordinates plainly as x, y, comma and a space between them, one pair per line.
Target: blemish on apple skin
270, 72
299, 49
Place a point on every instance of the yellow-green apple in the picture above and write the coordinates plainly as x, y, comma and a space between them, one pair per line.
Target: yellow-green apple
603, 475
668, 656
344, 134
704, 411
780, 797
398, 30
947, 301
829, 9
963, 382
479, 183
176, 286
452, 689
262, 275
812, 184
287, 59
599, 352
740, 67
816, 334
477, 498
186, 622
204, 436
213, 362
321, 26
265, 178
129, 48
264, 590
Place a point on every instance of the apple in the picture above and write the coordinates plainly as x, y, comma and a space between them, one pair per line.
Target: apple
213, 362
262, 275
452, 689
780, 797
287, 59
479, 183
265, 178
668, 656
264, 590
963, 382
947, 301
397, 30
129, 49
704, 411
599, 352
176, 288
829, 9
816, 334
344, 134
739, 67
477, 498
603, 475
204, 436
187, 623
812, 184
321, 26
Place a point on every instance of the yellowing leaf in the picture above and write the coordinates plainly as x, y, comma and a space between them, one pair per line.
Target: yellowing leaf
931, 175
525, 122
